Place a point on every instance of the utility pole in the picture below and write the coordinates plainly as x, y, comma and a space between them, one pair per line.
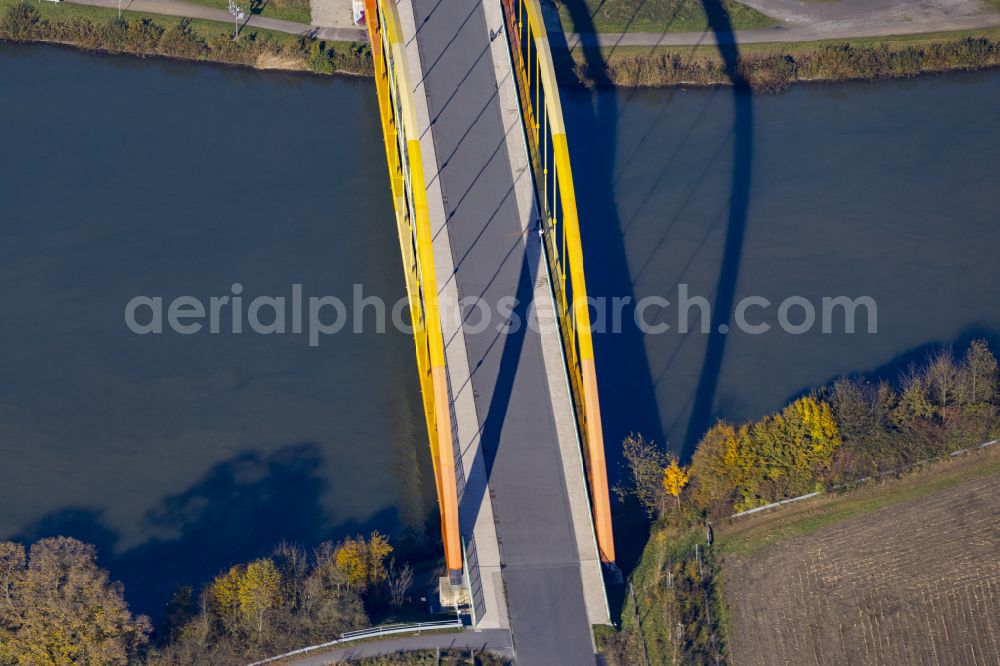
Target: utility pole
238, 15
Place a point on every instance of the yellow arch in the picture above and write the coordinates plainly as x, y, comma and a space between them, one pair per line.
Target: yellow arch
406, 172
541, 110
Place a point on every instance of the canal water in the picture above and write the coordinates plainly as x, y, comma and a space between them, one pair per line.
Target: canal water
887, 190
179, 455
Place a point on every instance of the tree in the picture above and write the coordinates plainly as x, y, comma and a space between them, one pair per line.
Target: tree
12, 564
224, 599
714, 473
293, 564
942, 381
399, 580
352, 560
243, 596
675, 478
180, 610
645, 464
979, 374
864, 415
363, 561
259, 592
12, 570
861, 410
914, 403
330, 606
776, 457
378, 549
60, 608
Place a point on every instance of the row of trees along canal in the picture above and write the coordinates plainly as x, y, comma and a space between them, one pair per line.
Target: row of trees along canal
58, 607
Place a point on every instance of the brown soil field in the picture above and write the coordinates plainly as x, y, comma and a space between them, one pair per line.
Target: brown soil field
905, 572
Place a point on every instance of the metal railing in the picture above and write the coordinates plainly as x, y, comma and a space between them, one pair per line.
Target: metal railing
374, 632
395, 86
541, 112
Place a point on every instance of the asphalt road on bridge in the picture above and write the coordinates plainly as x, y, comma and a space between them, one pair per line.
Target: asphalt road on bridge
541, 564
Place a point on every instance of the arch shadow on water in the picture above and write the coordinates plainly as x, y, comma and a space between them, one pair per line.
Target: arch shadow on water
622, 358
739, 204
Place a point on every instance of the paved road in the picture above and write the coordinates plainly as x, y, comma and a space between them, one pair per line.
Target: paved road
798, 26
332, 13
811, 21
494, 261
495, 640
180, 8
801, 22
776, 34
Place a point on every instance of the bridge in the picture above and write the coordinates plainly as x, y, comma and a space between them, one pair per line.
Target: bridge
485, 209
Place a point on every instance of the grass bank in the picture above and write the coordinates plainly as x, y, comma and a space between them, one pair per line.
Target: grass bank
673, 612
98, 29
775, 66
657, 16
766, 67
286, 10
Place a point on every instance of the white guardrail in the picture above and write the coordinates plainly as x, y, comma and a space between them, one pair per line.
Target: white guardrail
953, 454
774, 504
374, 632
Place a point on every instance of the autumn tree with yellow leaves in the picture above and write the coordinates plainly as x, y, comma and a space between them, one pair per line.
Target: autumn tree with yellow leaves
57, 608
244, 596
675, 478
776, 457
277, 603
849, 430
363, 560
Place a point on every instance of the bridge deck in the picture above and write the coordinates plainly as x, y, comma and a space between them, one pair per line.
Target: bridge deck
519, 420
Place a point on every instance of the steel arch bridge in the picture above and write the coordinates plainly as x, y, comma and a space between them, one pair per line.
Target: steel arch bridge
482, 187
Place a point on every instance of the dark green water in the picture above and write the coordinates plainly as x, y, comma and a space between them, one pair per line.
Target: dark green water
179, 455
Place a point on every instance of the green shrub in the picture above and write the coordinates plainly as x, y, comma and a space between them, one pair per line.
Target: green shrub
180, 41
777, 70
21, 23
